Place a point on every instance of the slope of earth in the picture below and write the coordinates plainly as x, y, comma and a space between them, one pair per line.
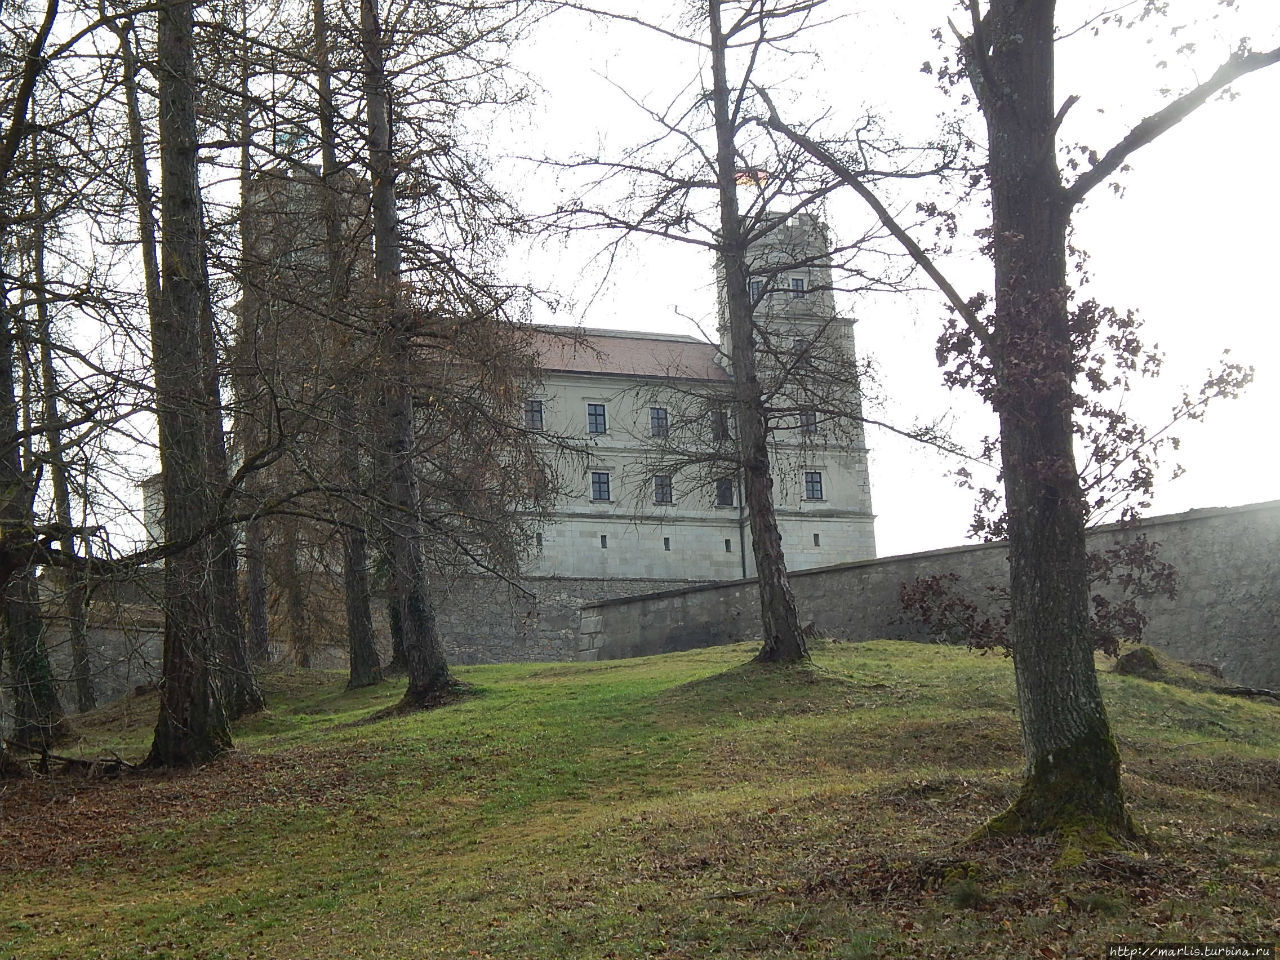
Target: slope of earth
678, 806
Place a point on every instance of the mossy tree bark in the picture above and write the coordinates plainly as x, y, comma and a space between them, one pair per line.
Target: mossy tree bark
1073, 769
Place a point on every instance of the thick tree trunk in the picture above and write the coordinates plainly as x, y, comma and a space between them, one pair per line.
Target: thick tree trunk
38, 715
424, 654
1073, 770
38, 720
193, 725
783, 639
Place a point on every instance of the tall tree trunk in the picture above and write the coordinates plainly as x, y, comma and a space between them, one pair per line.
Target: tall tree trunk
257, 638
783, 639
193, 725
1073, 769
365, 670
424, 654
77, 585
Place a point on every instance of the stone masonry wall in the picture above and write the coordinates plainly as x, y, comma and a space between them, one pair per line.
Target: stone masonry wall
1227, 611
486, 620
482, 620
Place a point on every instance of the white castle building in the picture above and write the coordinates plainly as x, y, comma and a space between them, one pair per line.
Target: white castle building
639, 428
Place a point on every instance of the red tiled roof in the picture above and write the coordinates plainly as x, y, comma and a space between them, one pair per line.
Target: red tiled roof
628, 353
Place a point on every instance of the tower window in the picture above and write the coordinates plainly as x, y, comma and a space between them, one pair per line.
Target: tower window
596, 421
724, 492
797, 287
817, 539
728, 545
666, 544
604, 541
659, 422
533, 415
537, 540
813, 485
808, 423
662, 492
599, 485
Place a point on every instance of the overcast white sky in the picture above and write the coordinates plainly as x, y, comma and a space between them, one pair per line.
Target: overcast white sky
1190, 244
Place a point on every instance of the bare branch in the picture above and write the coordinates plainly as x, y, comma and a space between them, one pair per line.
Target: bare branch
1237, 66
854, 180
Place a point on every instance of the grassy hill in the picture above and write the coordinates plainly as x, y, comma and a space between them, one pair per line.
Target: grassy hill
677, 806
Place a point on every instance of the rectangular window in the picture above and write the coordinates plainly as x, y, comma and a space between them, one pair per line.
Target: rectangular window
817, 539
662, 492
720, 425
666, 544
533, 418
599, 485
728, 545
724, 492
537, 540
604, 541
797, 287
808, 423
757, 290
659, 422
596, 422
813, 485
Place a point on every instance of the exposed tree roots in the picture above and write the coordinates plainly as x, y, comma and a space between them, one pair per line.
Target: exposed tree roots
452, 692
46, 764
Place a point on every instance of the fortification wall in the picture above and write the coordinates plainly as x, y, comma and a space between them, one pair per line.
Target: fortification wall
486, 620
1227, 611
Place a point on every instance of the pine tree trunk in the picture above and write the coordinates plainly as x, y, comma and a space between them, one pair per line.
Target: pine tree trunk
77, 588
193, 725
424, 654
1073, 769
779, 620
257, 622
364, 668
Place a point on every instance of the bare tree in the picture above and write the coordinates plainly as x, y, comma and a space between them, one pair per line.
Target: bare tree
193, 722
712, 177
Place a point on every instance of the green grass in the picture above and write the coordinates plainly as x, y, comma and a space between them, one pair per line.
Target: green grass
677, 806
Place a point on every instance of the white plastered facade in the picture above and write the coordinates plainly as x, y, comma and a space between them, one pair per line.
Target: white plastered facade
635, 528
